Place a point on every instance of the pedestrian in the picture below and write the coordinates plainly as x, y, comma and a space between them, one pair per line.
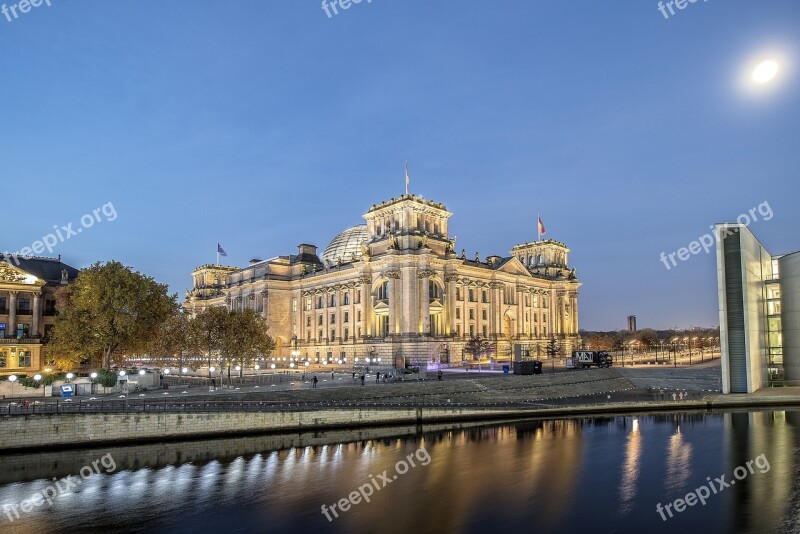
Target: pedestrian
439, 375
331, 375
384, 378
314, 382
378, 378
362, 378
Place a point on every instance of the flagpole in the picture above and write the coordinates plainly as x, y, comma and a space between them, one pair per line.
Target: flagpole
217, 255
538, 227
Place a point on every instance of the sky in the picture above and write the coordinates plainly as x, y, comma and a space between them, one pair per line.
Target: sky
262, 124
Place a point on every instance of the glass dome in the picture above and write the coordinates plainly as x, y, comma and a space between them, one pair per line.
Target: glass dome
345, 247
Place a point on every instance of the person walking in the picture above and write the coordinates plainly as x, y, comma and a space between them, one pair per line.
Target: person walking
378, 377
362, 378
439, 375
331, 375
314, 382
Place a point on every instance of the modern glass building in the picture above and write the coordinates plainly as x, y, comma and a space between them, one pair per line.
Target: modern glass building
759, 312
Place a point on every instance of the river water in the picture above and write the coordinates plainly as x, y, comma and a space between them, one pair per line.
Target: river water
585, 475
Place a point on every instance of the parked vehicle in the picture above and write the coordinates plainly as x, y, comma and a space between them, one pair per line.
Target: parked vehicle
588, 358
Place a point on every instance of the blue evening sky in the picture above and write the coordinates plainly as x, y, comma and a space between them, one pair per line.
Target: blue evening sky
262, 124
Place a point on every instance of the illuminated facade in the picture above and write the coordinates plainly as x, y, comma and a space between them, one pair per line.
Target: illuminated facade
395, 287
27, 309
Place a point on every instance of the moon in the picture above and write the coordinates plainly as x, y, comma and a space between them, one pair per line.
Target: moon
765, 72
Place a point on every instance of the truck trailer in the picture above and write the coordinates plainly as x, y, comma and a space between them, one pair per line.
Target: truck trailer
588, 358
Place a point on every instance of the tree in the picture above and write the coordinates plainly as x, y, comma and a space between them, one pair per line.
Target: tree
552, 348
478, 347
171, 339
238, 336
109, 310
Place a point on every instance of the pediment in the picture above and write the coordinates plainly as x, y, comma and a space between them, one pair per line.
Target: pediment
10, 274
514, 266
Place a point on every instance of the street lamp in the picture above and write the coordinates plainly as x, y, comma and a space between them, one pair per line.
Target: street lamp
12, 379
70, 376
38, 378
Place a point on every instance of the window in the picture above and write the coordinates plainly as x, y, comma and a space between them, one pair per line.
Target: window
472, 330
319, 302
346, 298
484, 315
459, 295
346, 335
434, 291
307, 305
458, 313
358, 332
471, 313
319, 336
333, 336
358, 297
294, 305
3, 359
24, 359
333, 300
383, 291
471, 295
484, 297
484, 331
333, 318
49, 307
544, 302
383, 325
308, 335
308, 321
319, 320
346, 317
24, 304
358, 315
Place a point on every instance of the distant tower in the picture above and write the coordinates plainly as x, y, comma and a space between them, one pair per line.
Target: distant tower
631, 323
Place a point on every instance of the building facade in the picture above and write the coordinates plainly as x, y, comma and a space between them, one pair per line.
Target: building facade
759, 311
27, 309
396, 288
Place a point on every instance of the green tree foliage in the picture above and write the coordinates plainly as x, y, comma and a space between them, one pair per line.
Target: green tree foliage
171, 339
106, 378
109, 311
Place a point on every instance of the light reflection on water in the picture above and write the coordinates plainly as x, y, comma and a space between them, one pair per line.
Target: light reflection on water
577, 475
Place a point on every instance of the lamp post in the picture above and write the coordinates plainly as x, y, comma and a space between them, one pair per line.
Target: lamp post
70, 376
12, 379
210, 379
38, 379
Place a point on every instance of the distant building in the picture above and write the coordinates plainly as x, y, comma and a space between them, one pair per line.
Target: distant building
759, 312
27, 309
396, 288
632, 323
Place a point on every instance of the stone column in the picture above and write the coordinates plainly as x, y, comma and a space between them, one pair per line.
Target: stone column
37, 311
409, 305
574, 312
425, 298
12, 312
394, 287
366, 304
450, 323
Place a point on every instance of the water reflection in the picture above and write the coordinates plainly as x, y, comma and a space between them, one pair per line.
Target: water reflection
571, 475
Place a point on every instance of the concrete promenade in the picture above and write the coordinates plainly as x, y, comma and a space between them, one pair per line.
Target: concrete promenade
352, 407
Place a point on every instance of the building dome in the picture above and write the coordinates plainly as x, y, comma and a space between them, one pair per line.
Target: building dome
345, 247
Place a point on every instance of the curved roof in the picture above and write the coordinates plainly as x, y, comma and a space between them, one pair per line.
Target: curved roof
345, 247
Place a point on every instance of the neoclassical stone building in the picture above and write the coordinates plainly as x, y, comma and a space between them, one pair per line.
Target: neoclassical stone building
396, 288
28, 308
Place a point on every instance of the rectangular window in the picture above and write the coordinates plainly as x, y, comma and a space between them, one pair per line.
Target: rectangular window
24, 359
358, 315
3, 359
308, 335
24, 304
319, 302
346, 317
484, 297
458, 313
471, 313
471, 295
333, 300
346, 297
308, 304
358, 297
319, 336
333, 318
49, 307
459, 295
484, 315
472, 330
319, 320
308, 321
294, 305
484, 331
346, 334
